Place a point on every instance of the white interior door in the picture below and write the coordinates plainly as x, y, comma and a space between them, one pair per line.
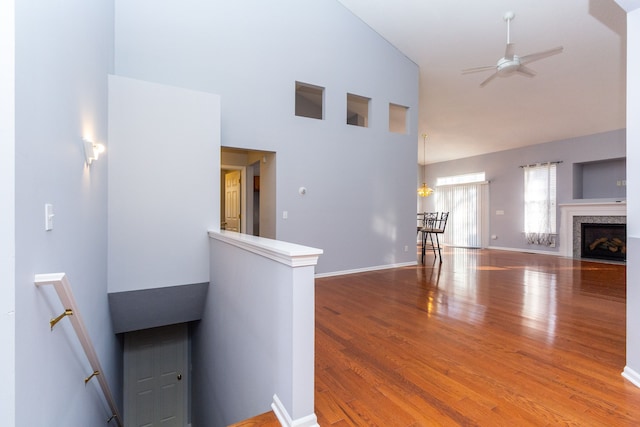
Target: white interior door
155, 370
232, 200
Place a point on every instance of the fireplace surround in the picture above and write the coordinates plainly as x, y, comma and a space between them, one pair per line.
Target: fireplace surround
572, 215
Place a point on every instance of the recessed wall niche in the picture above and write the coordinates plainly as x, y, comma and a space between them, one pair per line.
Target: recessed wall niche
398, 118
601, 179
357, 110
309, 101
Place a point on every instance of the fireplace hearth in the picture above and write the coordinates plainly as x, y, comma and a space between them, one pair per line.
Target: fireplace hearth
604, 241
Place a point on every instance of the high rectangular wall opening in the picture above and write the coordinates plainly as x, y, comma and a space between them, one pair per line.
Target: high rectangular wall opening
357, 110
309, 101
398, 118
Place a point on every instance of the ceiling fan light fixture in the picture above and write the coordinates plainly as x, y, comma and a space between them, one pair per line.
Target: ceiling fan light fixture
508, 66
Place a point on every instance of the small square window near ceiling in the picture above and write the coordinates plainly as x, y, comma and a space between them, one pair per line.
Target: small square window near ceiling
309, 101
398, 118
357, 110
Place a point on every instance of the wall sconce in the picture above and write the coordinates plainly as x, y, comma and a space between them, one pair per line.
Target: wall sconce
92, 150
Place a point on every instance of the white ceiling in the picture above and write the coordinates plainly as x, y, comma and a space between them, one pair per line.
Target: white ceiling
578, 92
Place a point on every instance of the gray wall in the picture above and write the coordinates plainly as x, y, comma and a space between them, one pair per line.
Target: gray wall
256, 338
360, 203
633, 207
7, 219
507, 182
64, 51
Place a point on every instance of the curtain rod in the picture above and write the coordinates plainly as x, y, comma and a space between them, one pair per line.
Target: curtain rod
541, 164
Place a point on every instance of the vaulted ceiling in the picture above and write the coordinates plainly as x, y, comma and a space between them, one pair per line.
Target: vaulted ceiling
580, 91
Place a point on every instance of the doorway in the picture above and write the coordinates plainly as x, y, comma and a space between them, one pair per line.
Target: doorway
232, 201
247, 201
156, 377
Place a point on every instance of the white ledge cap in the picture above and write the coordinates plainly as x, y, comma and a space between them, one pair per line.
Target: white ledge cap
290, 254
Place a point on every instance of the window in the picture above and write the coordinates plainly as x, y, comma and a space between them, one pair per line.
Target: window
309, 101
461, 179
540, 204
397, 118
357, 110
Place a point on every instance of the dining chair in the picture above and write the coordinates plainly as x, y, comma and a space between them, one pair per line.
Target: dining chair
434, 227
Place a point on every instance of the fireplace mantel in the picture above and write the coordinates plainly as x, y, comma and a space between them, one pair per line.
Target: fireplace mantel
570, 210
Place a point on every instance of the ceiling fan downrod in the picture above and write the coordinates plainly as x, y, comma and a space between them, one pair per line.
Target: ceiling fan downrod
508, 16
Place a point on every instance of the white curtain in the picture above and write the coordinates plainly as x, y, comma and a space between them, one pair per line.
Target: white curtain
468, 206
540, 204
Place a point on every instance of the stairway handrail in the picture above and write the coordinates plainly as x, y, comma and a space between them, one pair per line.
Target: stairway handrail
62, 287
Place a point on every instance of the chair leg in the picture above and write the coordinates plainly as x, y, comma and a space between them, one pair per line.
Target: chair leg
424, 242
439, 253
433, 247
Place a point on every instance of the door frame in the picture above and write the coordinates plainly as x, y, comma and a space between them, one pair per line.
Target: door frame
243, 195
185, 337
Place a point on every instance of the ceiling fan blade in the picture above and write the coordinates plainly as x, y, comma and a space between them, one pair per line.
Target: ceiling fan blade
476, 69
488, 79
539, 55
509, 51
525, 71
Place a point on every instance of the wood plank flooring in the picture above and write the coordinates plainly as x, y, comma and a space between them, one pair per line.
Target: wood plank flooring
487, 338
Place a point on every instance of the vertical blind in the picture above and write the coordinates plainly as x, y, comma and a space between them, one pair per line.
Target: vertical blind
468, 206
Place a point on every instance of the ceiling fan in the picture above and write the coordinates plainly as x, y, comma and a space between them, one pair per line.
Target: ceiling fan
512, 63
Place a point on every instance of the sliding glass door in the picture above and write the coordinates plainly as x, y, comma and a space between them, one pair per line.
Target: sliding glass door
468, 207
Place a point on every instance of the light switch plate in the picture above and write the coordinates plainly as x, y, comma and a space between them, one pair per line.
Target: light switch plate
48, 217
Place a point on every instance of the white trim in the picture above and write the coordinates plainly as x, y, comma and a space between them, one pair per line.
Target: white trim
532, 251
569, 210
631, 375
285, 419
366, 269
283, 252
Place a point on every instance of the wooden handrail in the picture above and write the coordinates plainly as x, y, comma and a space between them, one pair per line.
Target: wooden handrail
63, 289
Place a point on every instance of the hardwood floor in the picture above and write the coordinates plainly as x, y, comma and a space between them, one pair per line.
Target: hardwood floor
486, 338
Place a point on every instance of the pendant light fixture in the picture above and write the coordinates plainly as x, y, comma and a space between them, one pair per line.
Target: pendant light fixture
424, 191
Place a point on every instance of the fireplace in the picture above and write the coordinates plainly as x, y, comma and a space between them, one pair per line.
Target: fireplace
572, 215
604, 241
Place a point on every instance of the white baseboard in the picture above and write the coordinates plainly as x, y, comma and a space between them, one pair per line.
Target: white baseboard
631, 375
285, 419
532, 251
366, 269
